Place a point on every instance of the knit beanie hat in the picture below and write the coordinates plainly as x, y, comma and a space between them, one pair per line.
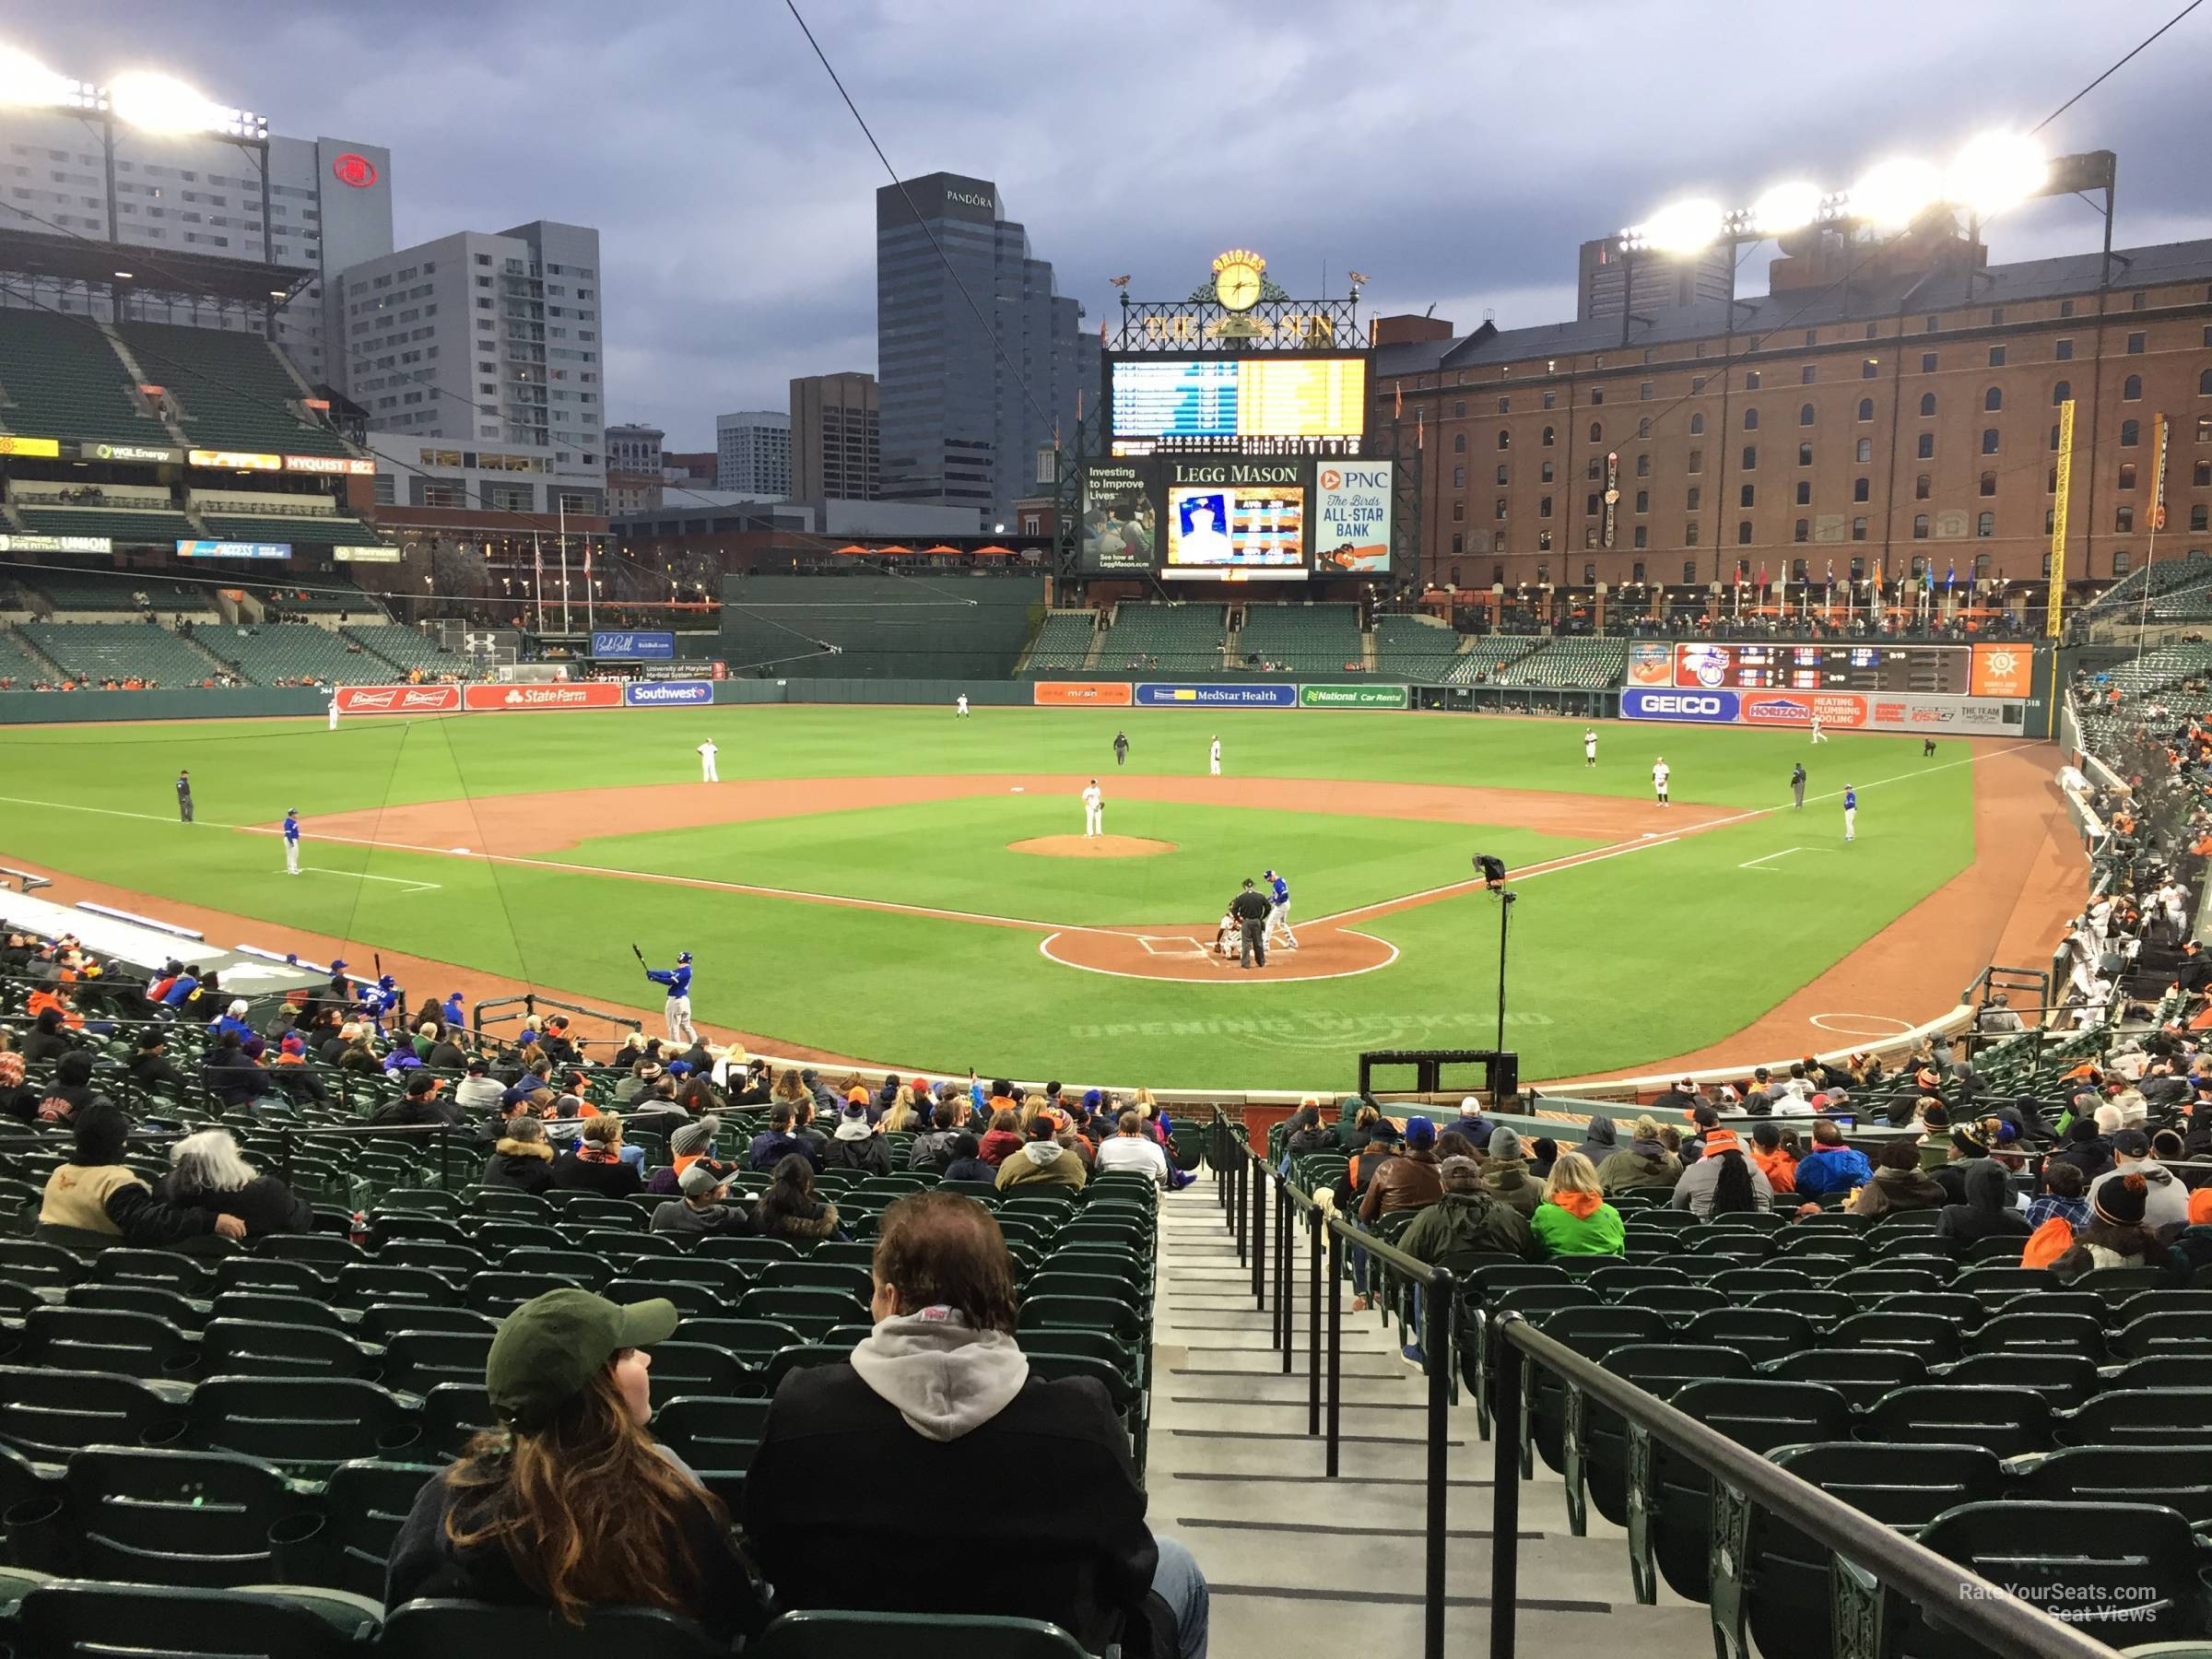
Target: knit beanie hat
101, 1129
2120, 1200
1505, 1142
293, 1043
695, 1137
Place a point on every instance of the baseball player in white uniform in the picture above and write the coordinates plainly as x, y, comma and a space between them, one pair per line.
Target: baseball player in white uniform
960, 706
1094, 811
1818, 737
1214, 759
707, 751
1589, 746
1661, 771
1228, 937
333, 708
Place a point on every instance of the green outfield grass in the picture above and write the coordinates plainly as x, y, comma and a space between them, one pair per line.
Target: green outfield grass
1631, 958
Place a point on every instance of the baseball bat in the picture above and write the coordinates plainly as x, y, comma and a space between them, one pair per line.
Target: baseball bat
639, 954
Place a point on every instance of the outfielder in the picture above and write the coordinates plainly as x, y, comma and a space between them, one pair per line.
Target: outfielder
292, 843
1660, 773
678, 1009
1094, 811
1851, 812
1589, 746
333, 708
1817, 733
1797, 786
1278, 898
960, 706
1214, 759
707, 751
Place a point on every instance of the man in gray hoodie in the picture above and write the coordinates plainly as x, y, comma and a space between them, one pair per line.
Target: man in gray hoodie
2166, 1202
938, 1415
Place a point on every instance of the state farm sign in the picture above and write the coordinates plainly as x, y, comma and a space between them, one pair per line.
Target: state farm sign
399, 700
588, 694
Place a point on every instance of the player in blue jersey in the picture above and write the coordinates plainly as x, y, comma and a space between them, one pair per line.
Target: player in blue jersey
1279, 918
678, 1007
292, 843
1851, 812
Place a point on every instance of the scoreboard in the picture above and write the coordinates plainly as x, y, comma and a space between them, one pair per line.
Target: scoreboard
1896, 670
1247, 405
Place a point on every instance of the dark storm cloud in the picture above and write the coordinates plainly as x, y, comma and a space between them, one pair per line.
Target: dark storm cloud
1456, 154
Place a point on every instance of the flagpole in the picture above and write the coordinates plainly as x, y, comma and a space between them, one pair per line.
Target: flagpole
538, 564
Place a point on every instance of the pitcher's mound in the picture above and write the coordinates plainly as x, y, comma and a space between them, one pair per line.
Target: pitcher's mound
1091, 846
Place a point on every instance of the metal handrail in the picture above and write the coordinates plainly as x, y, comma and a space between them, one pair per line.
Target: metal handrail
1438, 1344
1982, 1610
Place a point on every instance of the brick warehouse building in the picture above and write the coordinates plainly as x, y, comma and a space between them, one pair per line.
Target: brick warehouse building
1905, 416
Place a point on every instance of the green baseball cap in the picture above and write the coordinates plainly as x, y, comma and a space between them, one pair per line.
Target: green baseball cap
551, 1347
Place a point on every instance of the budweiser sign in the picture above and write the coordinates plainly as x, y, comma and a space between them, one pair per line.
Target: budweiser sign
399, 700
585, 694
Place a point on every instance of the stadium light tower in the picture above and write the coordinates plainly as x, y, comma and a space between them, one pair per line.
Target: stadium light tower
1992, 174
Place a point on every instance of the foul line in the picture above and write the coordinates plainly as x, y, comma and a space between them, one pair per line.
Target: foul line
1753, 864
418, 887
1643, 843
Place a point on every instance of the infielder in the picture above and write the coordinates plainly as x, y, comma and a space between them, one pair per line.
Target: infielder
1817, 737
184, 797
1660, 773
333, 708
678, 1009
1851, 812
1094, 811
1278, 898
707, 751
292, 843
960, 706
1590, 745
1214, 759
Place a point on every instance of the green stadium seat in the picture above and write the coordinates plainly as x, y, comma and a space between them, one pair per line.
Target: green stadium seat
2007, 1420
182, 1312
447, 1629
416, 1361
98, 1339
49, 1413
243, 1347
167, 1517
1862, 1375
230, 390
694, 1368
81, 1617
305, 1425
1595, 1443
815, 1635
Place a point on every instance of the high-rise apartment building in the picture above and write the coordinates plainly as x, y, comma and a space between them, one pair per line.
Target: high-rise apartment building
752, 453
485, 340
966, 406
323, 203
836, 438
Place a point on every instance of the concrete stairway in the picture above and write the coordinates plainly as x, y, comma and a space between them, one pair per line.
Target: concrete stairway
1302, 1565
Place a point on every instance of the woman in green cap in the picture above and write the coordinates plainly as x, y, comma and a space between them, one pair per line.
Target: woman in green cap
570, 1503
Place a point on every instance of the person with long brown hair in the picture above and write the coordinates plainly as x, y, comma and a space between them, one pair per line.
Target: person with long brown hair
569, 1504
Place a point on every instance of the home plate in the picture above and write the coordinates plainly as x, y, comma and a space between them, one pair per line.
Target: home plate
1651, 835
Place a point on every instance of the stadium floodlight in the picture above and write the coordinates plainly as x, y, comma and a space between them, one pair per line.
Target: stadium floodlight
1996, 171
1686, 227
25, 83
154, 102
1786, 207
1893, 193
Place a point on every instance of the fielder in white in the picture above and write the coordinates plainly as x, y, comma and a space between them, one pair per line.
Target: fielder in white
1214, 759
1590, 745
1094, 811
1661, 771
333, 709
1818, 737
707, 751
960, 706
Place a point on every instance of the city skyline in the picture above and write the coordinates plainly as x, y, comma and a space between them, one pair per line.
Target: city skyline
714, 310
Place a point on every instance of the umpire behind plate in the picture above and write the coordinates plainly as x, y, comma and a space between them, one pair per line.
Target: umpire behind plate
1251, 908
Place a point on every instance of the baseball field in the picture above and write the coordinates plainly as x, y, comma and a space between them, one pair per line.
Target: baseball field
898, 884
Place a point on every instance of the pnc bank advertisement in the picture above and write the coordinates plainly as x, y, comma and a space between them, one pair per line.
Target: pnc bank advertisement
1351, 516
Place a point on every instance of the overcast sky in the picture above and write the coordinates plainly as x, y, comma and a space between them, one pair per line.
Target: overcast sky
1456, 153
